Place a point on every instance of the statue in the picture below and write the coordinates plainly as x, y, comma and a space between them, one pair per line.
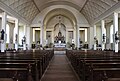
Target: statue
59, 34
103, 37
16, 38
96, 41
116, 37
23, 40
2, 34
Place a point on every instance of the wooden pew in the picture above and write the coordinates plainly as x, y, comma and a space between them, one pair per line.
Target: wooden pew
6, 79
22, 58
113, 79
102, 74
15, 73
100, 61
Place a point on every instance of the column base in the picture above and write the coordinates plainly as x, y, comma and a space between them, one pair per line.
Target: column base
24, 46
2, 47
16, 47
95, 48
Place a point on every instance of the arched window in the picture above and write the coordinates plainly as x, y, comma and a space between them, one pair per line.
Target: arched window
111, 34
7, 32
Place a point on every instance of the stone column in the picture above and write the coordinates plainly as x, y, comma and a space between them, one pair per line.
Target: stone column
16, 34
24, 38
53, 36
91, 37
103, 34
41, 35
86, 35
66, 39
33, 35
28, 37
115, 25
77, 37
3, 32
95, 38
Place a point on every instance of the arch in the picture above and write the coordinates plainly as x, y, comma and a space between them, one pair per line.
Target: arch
61, 24
62, 12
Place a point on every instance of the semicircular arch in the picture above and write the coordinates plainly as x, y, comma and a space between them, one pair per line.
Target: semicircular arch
62, 12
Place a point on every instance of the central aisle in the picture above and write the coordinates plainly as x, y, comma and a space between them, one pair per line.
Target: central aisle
59, 69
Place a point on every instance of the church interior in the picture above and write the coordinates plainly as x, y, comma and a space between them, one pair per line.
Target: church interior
59, 40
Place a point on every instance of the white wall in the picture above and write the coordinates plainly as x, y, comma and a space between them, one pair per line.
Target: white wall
108, 44
0, 23
28, 39
31, 36
37, 35
11, 31
21, 34
90, 37
52, 22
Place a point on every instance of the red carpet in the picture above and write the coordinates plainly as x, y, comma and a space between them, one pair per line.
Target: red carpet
59, 70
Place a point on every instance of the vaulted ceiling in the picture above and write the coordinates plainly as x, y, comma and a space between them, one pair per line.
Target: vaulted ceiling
91, 9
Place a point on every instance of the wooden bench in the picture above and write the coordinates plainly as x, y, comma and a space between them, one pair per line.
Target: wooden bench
6, 79
87, 64
113, 79
39, 61
102, 74
20, 74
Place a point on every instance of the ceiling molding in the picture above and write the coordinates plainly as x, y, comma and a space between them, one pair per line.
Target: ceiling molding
12, 12
84, 5
36, 5
107, 13
47, 4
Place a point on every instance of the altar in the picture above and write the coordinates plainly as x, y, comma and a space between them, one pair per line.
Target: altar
60, 45
59, 41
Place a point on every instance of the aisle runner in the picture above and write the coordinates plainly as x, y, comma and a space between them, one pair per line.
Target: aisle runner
59, 69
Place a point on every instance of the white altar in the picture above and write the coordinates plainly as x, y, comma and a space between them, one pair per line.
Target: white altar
59, 44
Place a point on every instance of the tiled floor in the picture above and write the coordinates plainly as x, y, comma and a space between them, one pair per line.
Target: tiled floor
59, 69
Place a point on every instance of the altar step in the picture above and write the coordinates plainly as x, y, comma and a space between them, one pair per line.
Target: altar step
59, 48
59, 52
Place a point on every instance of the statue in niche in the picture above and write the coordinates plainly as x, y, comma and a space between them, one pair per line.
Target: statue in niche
59, 34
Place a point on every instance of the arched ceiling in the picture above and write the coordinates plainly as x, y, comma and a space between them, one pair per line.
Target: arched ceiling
58, 12
78, 4
91, 9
